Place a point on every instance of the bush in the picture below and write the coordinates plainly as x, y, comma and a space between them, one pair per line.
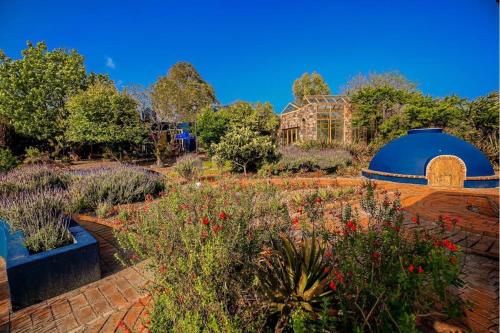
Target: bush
33, 156
118, 185
202, 243
34, 177
383, 276
245, 149
188, 166
41, 215
7, 160
296, 159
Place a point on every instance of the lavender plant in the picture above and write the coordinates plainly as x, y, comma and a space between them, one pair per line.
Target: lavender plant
295, 159
41, 215
119, 185
33, 177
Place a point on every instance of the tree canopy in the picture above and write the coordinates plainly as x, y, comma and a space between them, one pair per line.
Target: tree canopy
101, 114
181, 94
34, 89
309, 84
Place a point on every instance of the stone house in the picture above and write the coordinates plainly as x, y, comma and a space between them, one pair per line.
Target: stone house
321, 118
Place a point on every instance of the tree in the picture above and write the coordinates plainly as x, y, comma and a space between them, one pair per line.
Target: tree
245, 148
392, 79
308, 85
34, 89
103, 115
181, 94
259, 117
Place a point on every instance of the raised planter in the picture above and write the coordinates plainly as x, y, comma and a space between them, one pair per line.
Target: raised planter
37, 277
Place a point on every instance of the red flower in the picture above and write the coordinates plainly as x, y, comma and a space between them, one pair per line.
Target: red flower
216, 228
415, 220
332, 285
328, 254
318, 200
339, 276
411, 268
420, 269
326, 269
205, 221
222, 215
376, 255
299, 210
350, 225
295, 220
448, 244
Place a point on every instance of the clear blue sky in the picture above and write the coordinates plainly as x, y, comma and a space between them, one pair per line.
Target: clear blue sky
253, 50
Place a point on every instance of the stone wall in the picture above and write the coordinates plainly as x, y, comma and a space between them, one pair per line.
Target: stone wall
305, 119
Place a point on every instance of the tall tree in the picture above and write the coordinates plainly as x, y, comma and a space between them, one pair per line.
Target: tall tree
34, 89
181, 94
392, 79
103, 115
307, 85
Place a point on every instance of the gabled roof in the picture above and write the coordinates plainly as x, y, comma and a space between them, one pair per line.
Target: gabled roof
315, 99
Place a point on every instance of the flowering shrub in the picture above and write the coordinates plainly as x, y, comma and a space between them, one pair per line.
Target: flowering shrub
296, 159
203, 243
188, 166
41, 215
117, 185
384, 276
34, 177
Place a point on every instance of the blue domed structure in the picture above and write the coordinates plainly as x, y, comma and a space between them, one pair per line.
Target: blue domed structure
429, 156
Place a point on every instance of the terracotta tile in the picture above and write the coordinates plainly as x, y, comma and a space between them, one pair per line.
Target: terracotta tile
61, 309
67, 323
78, 301
84, 315
102, 308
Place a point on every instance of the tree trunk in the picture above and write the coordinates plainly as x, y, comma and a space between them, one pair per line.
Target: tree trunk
245, 170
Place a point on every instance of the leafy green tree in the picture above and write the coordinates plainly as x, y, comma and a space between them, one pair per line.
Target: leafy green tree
34, 90
245, 148
309, 84
103, 115
259, 117
181, 94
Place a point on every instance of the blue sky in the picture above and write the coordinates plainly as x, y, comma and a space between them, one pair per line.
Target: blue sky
253, 50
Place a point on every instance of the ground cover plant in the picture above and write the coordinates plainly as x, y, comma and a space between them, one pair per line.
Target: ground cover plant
188, 166
227, 258
38, 200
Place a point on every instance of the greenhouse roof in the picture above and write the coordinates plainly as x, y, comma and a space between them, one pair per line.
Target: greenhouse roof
315, 99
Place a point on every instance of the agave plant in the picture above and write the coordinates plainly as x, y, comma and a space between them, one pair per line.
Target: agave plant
295, 278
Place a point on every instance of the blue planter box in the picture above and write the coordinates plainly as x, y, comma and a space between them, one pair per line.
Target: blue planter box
37, 277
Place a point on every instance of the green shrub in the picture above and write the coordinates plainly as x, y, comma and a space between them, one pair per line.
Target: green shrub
202, 243
245, 149
384, 275
7, 160
33, 155
118, 185
296, 159
188, 166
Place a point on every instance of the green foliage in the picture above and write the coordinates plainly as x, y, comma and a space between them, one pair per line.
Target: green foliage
202, 242
181, 94
245, 148
101, 114
307, 85
7, 160
33, 155
35, 88
213, 124
188, 166
294, 279
392, 79
296, 159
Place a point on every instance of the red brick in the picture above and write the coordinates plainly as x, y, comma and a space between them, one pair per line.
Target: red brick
67, 323
78, 301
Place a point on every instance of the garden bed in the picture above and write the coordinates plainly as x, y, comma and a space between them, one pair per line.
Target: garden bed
36, 277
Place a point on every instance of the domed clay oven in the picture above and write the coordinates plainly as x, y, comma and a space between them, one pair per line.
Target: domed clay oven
428, 156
